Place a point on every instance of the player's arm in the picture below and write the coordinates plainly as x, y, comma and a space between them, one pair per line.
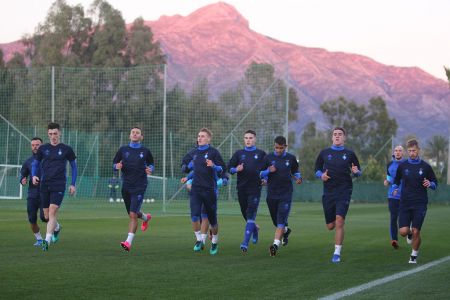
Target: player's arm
264, 174
295, 172
187, 163
74, 168
35, 165
318, 167
233, 163
117, 160
389, 178
397, 180
150, 165
217, 163
356, 168
24, 173
430, 180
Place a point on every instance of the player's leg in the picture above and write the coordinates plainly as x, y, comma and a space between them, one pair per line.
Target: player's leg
393, 228
287, 230
126, 196
33, 205
195, 206
145, 217
56, 199
252, 210
210, 202
342, 202
243, 199
204, 226
416, 224
272, 204
283, 210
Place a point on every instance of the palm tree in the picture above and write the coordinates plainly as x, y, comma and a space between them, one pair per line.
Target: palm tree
437, 148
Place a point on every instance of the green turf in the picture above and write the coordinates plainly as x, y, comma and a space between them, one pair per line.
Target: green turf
88, 261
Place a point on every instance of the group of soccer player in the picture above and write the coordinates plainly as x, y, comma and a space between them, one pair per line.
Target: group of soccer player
409, 180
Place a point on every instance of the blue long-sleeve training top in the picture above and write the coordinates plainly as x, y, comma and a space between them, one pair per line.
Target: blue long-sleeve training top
252, 159
411, 175
338, 161
25, 172
391, 171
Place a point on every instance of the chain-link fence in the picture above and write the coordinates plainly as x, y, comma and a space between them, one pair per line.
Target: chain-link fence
97, 107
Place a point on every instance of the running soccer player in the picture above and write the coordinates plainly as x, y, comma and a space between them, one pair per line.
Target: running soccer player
51, 159
394, 201
280, 167
416, 177
207, 163
248, 163
334, 166
135, 162
33, 197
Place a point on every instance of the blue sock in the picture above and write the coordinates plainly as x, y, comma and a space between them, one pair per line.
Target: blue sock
249, 228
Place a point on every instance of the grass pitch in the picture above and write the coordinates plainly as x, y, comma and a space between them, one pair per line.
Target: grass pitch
88, 261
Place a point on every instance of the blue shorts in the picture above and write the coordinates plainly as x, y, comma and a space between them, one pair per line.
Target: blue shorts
336, 203
133, 201
208, 199
33, 205
279, 210
412, 216
50, 196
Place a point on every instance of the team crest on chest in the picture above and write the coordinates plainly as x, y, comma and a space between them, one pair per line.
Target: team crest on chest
344, 157
420, 171
141, 155
256, 156
206, 156
287, 163
59, 152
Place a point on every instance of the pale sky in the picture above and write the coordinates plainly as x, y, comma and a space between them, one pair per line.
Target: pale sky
393, 32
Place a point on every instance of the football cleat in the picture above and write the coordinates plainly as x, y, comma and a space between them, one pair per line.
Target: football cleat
55, 236
38, 243
409, 238
285, 238
244, 248
44, 245
273, 250
255, 234
336, 258
144, 225
199, 246
214, 249
394, 244
126, 246
413, 259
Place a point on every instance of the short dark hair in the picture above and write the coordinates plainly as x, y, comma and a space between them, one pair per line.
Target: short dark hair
251, 132
53, 126
412, 143
341, 129
136, 127
36, 139
280, 140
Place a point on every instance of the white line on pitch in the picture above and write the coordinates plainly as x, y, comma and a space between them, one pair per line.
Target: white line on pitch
383, 280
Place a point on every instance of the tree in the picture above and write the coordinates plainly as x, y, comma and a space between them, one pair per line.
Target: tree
17, 61
437, 149
312, 142
140, 47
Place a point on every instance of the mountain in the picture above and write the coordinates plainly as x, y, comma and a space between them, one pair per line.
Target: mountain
216, 41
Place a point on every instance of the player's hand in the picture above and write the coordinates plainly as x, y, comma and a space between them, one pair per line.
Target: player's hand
209, 163
354, 169
299, 181
24, 181
72, 190
325, 176
386, 183
426, 183
272, 168
148, 171
263, 182
240, 167
395, 192
35, 180
184, 179
119, 165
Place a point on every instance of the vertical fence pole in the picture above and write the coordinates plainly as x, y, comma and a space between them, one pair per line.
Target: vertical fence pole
164, 139
53, 94
286, 129
171, 154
